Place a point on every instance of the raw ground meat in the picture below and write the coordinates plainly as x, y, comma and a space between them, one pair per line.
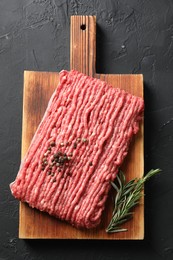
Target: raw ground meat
77, 149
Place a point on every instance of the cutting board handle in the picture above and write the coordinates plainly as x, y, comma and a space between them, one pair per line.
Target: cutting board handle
83, 44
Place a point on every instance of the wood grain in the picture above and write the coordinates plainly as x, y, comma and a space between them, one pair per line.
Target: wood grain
38, 87
83, 44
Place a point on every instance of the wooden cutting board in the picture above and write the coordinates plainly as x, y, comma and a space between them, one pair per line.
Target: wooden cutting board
38, 88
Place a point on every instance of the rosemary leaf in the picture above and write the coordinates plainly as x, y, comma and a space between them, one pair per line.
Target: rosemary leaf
127, 197
117, 230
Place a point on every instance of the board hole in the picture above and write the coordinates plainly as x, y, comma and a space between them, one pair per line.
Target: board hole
83, 27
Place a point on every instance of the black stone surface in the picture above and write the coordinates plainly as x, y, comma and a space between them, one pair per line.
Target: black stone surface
132, 37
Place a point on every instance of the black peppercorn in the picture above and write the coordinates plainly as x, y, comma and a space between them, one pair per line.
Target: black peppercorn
75, 145
52, 143
90, 163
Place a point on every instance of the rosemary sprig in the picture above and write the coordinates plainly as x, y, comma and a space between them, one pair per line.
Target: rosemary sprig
128, 195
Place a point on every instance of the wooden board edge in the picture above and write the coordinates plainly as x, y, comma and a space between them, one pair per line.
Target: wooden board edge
109, 74
25, 74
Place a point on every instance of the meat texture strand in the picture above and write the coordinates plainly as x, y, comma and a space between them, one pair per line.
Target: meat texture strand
77, 149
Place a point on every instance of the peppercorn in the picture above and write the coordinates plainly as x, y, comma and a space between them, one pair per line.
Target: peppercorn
90, 163
52, 163
44, 159
55, 155
52, 143
75, 145
84, 140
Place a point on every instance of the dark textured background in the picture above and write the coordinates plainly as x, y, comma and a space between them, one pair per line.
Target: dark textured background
133, 36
